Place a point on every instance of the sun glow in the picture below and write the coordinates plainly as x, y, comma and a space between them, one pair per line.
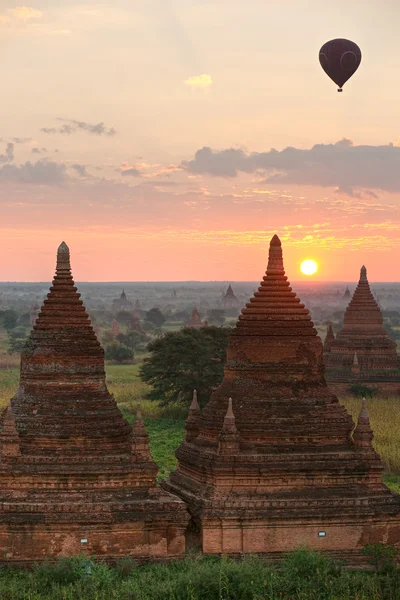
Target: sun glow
308, 267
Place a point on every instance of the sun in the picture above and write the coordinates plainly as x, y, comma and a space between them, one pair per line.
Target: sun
308, 267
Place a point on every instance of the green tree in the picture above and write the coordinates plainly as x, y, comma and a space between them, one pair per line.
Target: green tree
133, 339
155, 316
123, 318
216, 316
17, 339
118, 353
10, 319
185, 360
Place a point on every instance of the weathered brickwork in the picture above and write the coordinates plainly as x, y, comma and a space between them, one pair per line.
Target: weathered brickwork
362, 352
74, 475
271, 463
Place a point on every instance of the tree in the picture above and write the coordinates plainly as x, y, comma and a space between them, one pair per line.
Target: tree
17, 338
216, 316
118, 353
123, 318
182, 361
133, 339
155, 316
10, 319
25, 320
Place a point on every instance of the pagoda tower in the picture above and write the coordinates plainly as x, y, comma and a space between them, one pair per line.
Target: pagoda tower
195, 320
137, 312
115, 330
270, 464
364, 336
329, 339
229, 299
135, 325
74, 475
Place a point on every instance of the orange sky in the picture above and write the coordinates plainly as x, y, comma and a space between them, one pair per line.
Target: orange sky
141, 134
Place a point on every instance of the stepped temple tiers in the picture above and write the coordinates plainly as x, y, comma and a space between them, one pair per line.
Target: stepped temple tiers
274, 462
122, 303
362, 352
74, 475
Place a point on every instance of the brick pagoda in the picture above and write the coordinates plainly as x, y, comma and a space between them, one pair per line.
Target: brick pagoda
195, 320
362, 351
74, 475
270, 464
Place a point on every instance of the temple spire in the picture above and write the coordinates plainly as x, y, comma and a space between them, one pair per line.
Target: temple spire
229, 436
140, 440
275, 258
63, 258
330, 338
363, 274
193, 419
363, 434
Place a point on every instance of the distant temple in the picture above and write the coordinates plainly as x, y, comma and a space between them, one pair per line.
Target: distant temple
274, 462
362, 351
229, 299
122, 303
195, 320
34, 313
115, 330
347, 294
75, 477
135, 325
137, 311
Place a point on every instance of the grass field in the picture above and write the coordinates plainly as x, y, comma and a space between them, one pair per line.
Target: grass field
302, 575
166, 426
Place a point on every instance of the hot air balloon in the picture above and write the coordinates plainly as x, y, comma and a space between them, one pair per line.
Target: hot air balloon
340, 59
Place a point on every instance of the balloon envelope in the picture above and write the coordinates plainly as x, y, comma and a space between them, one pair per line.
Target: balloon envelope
340, 59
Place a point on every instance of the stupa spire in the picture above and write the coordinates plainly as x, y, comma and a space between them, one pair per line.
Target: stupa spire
363, 273
363, 434
330, 338
275, 258
63, 258
140, 442
193, 419
228, 437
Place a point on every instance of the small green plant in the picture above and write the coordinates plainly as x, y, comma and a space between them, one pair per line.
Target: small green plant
126, 566
362, 391
382, 556
64, 571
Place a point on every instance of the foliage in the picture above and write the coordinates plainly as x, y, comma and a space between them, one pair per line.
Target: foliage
216, 316
185, 360
155, 316
123, 317
17, 339
118, 353
133, 339
9, 319
382, 556
302, 575
362, 391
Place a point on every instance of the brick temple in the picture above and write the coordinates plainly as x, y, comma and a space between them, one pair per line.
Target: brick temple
195, 321
274, 462
74, 475
362, 352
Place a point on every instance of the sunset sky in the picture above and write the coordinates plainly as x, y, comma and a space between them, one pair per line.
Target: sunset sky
170, 139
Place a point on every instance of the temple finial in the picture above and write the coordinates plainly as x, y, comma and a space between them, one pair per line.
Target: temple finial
63, 258
229, 435
193, 420
363, 434
275, 258
363, 274
140, 440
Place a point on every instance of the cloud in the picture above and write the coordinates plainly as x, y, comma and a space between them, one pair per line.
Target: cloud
131, 171
71, 126
40, 172
80, 169
342, 165
9, 154
25, 13
199, 82
38, 150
